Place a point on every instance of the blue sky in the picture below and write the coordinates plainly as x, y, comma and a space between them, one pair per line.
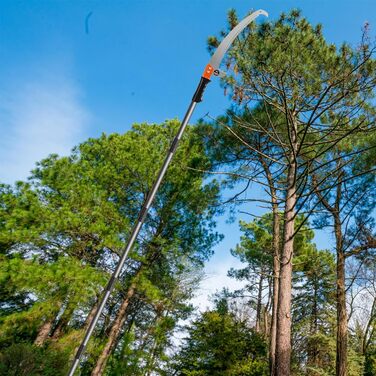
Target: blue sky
74, 69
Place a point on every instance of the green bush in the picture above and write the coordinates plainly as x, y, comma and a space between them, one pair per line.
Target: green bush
23, 359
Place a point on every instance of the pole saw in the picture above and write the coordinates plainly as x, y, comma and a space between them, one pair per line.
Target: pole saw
211, 68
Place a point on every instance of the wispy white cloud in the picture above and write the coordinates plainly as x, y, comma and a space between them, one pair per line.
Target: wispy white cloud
216, 279
38, 116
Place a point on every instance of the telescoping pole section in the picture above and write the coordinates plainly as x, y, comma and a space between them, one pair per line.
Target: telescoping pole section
211, 68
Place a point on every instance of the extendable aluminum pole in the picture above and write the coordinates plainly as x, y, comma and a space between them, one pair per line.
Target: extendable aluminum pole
211, 68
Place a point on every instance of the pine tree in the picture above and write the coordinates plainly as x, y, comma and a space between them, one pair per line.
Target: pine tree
322, 94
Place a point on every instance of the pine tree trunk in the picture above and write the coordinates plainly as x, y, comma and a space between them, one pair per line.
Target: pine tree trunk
151, 359
63, 322
91, 314
114, 333
43, 333
265, 328
273, 326
366, 341
58, 331
259, 304
341, 356
283, 345
313, 352
276, 265
46, 328
341, 346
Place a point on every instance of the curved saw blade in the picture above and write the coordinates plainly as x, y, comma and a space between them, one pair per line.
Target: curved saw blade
217, 57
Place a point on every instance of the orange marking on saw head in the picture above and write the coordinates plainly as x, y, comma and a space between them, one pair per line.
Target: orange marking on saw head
208, 71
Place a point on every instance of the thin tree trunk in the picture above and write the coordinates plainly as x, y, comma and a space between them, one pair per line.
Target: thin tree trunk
273, 326
283, 345
91, 314
266, 322
312, 346
151, 359
259, 304
276, 265
114, 332
44, 333
341, 346
341, 355
58, 331
46, 328
367, 335
63, 322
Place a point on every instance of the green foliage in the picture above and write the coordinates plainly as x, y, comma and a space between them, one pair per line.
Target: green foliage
220, 344
47, 286
370, 362
27, 360
256, 243
292, 54
314, 280
302, 119
61, 233
314, 311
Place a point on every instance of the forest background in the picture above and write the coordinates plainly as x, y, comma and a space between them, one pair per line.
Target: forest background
95, 67
66, 93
